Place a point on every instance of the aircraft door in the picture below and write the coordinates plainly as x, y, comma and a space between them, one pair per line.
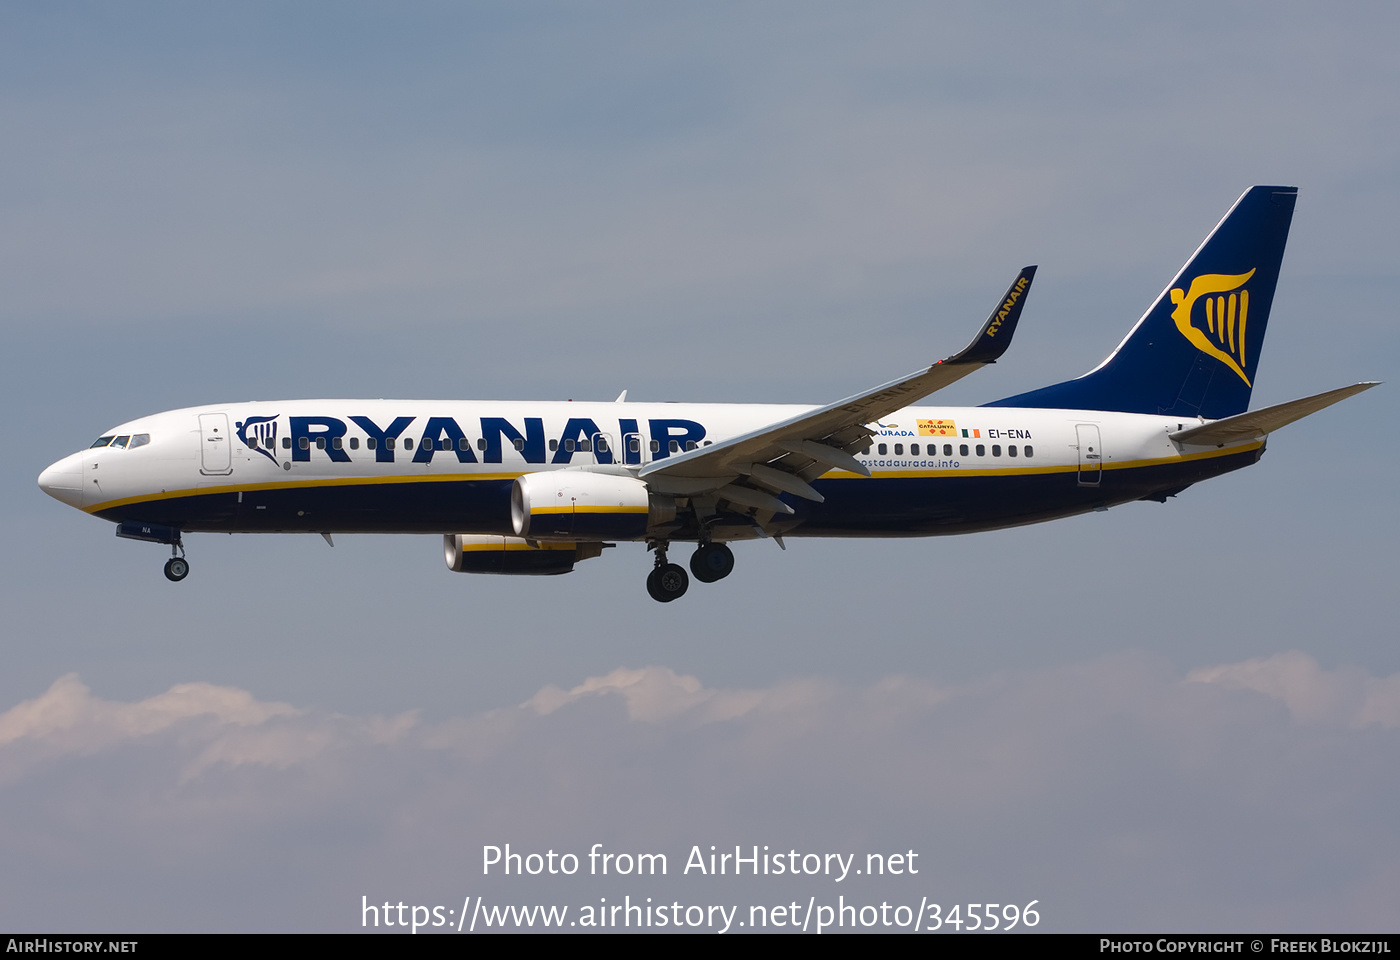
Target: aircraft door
1090, 454
215, 449
633, 447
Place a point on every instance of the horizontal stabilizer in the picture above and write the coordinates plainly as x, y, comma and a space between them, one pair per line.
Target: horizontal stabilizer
1259, 423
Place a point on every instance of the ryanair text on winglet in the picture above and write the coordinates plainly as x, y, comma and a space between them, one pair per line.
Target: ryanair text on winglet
1005, 308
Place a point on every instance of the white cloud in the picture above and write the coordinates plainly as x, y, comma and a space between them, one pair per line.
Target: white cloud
1313, 695
654, 695
1121, 792
227, 725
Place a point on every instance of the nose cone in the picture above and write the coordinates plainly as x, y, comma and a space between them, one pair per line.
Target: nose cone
64, 480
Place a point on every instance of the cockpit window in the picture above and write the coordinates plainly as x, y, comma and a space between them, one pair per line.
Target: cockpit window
120, 442
101, 442
139, 440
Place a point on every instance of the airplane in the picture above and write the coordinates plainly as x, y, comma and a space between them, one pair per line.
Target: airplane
534, 488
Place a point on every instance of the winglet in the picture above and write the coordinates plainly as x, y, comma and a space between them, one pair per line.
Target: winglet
995, 336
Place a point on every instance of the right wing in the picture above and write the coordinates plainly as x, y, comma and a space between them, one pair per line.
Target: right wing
750, 470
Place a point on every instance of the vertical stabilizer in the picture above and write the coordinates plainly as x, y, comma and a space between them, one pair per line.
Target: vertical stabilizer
1194, 353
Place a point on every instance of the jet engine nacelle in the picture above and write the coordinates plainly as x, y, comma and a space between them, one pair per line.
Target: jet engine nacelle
514, 556
575, 503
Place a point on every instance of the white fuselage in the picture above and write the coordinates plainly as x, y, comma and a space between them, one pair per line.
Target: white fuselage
446, 466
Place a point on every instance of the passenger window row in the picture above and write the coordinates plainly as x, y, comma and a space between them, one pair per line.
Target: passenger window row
883, 450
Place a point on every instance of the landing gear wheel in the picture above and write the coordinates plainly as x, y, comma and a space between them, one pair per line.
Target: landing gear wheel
713, 561
177, 569
667, 582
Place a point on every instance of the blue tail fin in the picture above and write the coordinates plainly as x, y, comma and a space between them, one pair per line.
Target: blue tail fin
1195, 351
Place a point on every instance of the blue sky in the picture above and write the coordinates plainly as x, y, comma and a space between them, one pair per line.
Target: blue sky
1175, 717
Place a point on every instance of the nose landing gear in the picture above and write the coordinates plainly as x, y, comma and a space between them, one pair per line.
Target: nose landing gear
177, 567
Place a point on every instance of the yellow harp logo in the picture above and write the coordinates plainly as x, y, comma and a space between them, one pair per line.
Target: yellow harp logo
1224, 319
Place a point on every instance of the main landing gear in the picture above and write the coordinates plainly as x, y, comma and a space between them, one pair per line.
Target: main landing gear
667, 581
711, 562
